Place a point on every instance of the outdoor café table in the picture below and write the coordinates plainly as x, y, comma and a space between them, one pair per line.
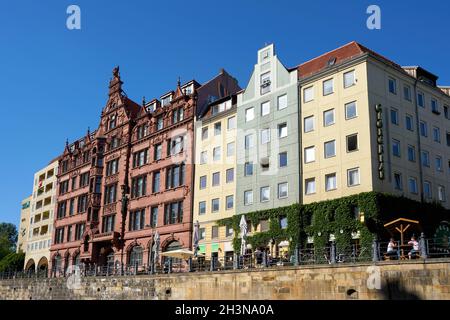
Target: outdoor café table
403, 248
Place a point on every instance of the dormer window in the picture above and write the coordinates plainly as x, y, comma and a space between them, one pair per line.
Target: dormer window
265, 83
188, 90
151, 107
166, 100
112, 122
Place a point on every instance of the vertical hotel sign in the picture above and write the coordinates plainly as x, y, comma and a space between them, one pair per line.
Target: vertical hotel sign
380, 145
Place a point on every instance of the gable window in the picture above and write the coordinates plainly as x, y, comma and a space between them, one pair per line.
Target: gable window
265, 83
113, 122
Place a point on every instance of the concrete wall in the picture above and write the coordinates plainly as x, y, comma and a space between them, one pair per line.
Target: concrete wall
398, 280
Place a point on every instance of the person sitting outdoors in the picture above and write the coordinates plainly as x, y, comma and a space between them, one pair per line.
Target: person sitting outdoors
392, 248
415, 250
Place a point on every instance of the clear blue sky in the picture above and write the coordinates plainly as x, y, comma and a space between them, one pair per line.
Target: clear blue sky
53, 81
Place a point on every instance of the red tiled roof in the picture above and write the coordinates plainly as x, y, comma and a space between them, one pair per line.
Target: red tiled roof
346, 52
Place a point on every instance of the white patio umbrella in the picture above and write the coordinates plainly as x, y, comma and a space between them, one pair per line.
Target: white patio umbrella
244, 228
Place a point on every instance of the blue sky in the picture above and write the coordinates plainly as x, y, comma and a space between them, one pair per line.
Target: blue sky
53, 81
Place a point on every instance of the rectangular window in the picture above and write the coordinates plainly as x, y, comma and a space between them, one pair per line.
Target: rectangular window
139, 158
231, 123
436, 135
265, 136
230, 149
110, 193
396, 147
412, 183
248, 197
409, 122
230, 175
310, 154
407, 93
215, 179
421, 99
308, 94
154, 217
72, 207
108, 223
249, 141
282, 130
202, 182
282, 159
353, 177
138, 187
310, 186
446, 112
411, 153
202, 233
330, 182
216, 153
84, 179
265, 194
214, 232
61, 213
64, 187
283, 190
441, 193
328, 87
448, 138
74, 183
175, 176
423, 129
392, 86
248, 169
202, 207
217, 128
398, 184
229, 202
425, 157
215, 205
249, 114
204, 133
350, 110
308, 124
176, 145
328, 117
265, 108
282, 102
158, 151
203, 157
265, 83
438, 162
349, 79
82, 203
427, 189
352, 142
137, 220
394, 116
434, 106
229, 231
79, 230
330, 149
156, 181
173, 213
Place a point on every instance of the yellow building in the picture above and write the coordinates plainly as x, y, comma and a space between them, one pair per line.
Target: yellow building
368, 124
215, 176
42, 205
23, 225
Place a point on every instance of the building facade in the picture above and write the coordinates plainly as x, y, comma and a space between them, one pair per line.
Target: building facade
215, 181
39, 234
131, 178
268, 169
369, 124
24, 224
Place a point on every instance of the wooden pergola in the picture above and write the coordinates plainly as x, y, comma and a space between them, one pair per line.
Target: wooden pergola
402, 225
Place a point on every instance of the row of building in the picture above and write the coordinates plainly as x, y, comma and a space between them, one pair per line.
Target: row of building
346, 122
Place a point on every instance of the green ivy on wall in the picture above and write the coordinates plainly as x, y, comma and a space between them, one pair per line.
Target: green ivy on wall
365, 213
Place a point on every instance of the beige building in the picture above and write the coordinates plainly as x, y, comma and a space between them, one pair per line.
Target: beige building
344, 95
215, 176
24, 224
41, 218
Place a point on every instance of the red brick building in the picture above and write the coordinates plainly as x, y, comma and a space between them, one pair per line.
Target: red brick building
131, 177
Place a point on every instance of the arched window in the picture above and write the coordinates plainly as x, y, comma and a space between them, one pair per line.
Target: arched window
136, 256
